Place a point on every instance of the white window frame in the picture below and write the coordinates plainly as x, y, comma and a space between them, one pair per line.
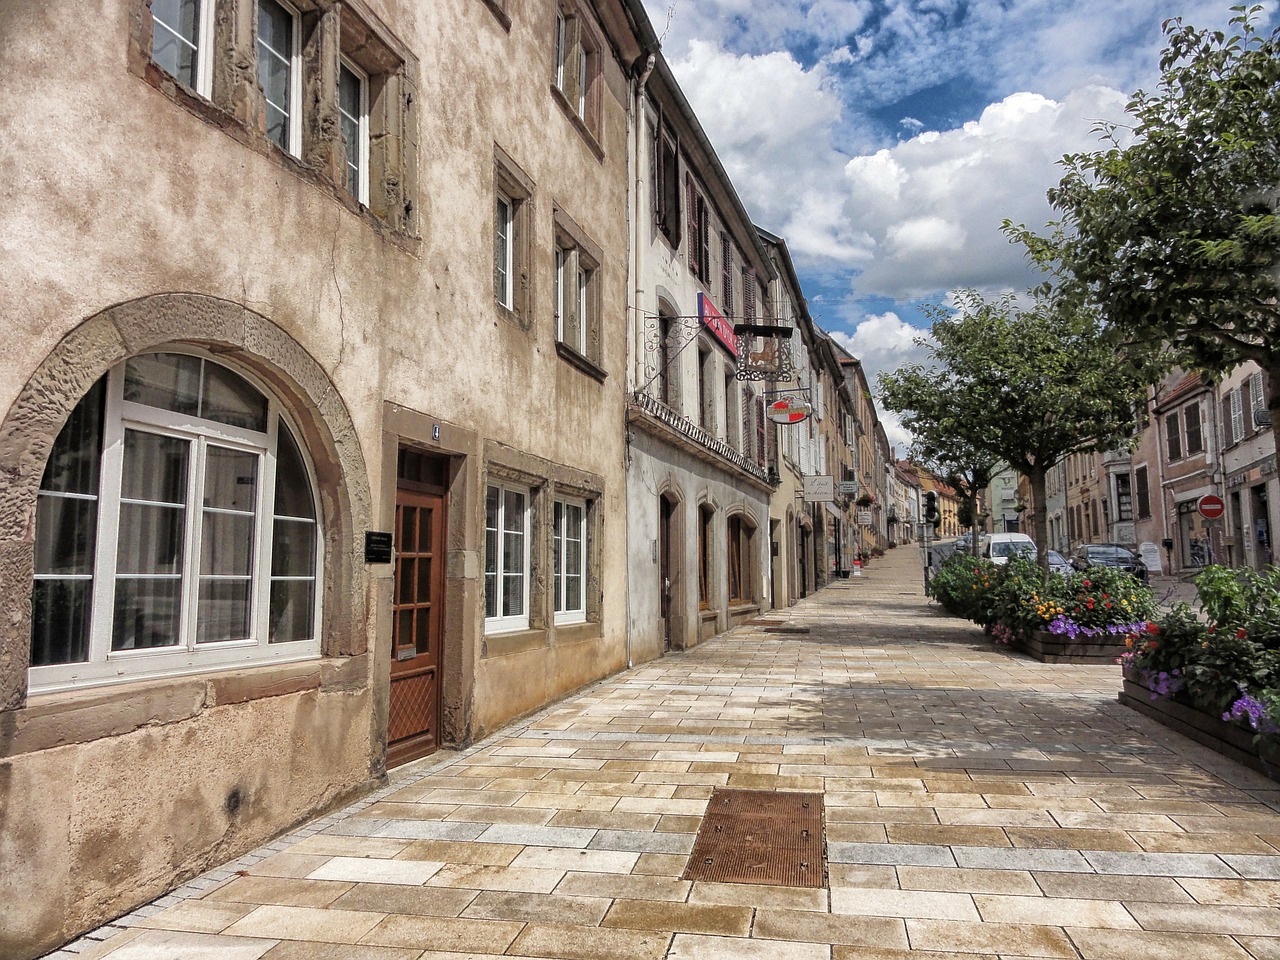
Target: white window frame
562, 47
504, 248
362, 132
203, 46
294, 146
499, 623
104, 665
562, 614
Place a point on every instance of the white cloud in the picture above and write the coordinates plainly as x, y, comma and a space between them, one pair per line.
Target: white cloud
884, 342
933, 204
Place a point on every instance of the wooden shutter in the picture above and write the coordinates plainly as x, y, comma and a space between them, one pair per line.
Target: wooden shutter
691, 209
1246, 405
763, 455
749, 293
726, 275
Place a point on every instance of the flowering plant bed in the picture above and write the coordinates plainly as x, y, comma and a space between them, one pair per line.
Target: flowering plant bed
1224, 736
1096, 648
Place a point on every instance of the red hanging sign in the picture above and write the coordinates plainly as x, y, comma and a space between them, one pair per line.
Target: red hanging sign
720, 328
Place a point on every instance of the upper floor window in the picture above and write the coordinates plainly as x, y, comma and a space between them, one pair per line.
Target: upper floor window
577, 66
1236, 418
353, 109
176, 530
699, 232
181, 38
511, 233
1191, 419
1173, 436
665, 186
279, 62
575, 289
726, 274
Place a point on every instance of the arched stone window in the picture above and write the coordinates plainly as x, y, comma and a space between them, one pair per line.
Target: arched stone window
176, 530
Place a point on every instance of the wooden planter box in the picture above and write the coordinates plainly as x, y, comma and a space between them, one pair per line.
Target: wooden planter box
1222, 736
1059, 648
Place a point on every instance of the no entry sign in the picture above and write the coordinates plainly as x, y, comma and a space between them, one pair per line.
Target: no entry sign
1211, 507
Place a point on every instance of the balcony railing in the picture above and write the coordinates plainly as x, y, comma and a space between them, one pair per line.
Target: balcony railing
694, 433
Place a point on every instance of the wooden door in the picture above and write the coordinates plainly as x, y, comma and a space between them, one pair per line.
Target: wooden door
413, 720
666, 512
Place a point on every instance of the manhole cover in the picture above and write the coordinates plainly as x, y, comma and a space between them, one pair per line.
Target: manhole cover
759, 836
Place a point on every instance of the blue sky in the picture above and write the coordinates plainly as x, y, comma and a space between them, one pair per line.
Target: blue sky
887, 139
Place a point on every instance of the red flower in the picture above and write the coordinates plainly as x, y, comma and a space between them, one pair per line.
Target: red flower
1107, 604
1088, 584
1241, 633
1152, 645
1153, 628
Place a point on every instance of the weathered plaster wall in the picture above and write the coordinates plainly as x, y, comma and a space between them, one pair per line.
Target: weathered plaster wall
131, 221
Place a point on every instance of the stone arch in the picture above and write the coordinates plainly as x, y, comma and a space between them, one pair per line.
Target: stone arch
245, 338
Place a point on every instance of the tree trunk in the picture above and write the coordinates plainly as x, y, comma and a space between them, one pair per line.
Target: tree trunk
974, 547
1041, 525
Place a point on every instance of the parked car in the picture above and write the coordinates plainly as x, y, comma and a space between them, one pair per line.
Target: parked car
1059, 564
1108, 555
1000, 547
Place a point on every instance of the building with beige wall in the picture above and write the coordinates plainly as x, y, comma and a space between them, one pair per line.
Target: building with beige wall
311, 415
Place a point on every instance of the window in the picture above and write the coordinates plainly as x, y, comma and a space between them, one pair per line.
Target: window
749, 293
1191, 417
353, 110
1257, 398
732, 435
506, 558
1173, 437
668, 368
504, 226
279, 60
739, 560
569, 560
666, 182
705, 515
1237, 416
577, 65
511, 232
726, 274
176, 530
1124, 497
706, 372
699, 232
181, 38
576, 289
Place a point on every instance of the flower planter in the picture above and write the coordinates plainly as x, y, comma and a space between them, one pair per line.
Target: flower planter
1059, 648
1224, 737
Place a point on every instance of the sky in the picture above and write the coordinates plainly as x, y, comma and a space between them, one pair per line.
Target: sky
886, 140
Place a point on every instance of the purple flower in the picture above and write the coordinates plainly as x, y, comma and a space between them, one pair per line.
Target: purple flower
1255, 710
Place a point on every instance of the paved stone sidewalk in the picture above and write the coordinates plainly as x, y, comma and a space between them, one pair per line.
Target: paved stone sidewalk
978, 804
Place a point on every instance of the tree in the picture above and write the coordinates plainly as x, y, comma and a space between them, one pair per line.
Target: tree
1023, 381
1172, 230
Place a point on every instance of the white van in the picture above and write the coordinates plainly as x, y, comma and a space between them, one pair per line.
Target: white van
1001, 546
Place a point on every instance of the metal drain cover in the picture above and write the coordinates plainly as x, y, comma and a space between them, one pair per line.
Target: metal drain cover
760, 836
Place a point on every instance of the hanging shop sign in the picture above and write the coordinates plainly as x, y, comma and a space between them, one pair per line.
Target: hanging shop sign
820, 489
847, 488
864, 518
790, 410
714, 321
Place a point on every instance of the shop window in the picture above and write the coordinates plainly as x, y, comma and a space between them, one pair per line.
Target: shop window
1124, 497
506, 558
182, 41
569, 560
176, 530
279, 73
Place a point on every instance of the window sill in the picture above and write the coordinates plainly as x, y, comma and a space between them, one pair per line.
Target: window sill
513, 642
587, 134
585, 364
82, 716
581, 631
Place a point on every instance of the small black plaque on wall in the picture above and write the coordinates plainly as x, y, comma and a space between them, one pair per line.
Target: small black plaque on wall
377, 546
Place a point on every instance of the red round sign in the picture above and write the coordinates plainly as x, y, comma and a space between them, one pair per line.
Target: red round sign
1211, 507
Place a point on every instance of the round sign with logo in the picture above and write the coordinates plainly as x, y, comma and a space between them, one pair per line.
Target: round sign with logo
790, 410
1211, 507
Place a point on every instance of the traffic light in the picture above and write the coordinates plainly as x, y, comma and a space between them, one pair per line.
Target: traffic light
931, 507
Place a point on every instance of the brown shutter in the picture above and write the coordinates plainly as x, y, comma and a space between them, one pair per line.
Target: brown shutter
1226, 421
762, 455
1246, 407
726, 275
691, 209
749, 293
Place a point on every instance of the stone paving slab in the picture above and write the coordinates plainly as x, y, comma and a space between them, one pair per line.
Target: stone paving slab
978, 804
